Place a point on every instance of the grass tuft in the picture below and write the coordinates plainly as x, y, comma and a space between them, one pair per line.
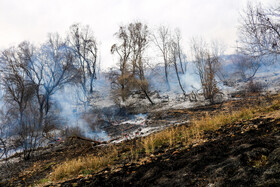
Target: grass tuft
76, 166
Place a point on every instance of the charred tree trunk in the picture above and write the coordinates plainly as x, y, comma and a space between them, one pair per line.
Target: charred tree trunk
122, 92
181, 63
178, 77
166, 74
148, 97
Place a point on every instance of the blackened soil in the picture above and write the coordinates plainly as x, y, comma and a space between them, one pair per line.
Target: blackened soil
241, 154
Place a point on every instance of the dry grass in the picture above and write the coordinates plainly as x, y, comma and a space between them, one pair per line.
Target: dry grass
213, 122
77, 166
86, 164
148, 145
193, 133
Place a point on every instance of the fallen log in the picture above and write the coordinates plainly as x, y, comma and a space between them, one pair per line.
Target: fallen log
94, 142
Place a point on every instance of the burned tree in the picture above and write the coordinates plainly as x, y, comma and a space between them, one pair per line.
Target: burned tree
84, 47
139, 35
260, 31
246, 66
133, 43
123, 49
181, 55
31, 76
19, 96
17, 89
174, 57
207, 64
49, 69
162, 39
55, 63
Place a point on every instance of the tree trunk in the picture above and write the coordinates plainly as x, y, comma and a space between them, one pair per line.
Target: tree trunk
166, 75
181, 63
176, 69
148, 97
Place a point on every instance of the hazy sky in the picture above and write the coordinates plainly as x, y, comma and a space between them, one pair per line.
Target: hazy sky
32, 19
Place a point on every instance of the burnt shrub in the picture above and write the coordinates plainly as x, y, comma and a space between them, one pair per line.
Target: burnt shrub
254, 87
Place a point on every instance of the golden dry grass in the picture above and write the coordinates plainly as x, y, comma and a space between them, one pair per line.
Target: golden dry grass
76, 166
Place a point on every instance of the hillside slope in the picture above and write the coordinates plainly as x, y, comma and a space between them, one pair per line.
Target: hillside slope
235, 144
245, 153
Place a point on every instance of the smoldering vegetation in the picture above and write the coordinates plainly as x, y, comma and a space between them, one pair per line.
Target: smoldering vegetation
57, 89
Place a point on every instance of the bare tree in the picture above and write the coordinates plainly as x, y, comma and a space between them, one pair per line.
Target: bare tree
123, 49
3, 148
19, 94
18, 89
30, 77
139, 35
30, 134
260, 31
207, 63
246, 66
209, 86
161, 39
3, 132
84, 47
133, 41
174, 57
49, 68
56, 62
181, 55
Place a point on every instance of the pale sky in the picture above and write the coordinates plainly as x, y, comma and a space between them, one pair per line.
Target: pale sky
32, 20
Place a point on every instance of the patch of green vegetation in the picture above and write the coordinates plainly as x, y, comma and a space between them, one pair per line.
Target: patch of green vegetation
43, 181
87, 172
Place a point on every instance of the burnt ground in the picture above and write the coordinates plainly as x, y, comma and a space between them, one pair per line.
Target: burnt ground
242, 154
23, 172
